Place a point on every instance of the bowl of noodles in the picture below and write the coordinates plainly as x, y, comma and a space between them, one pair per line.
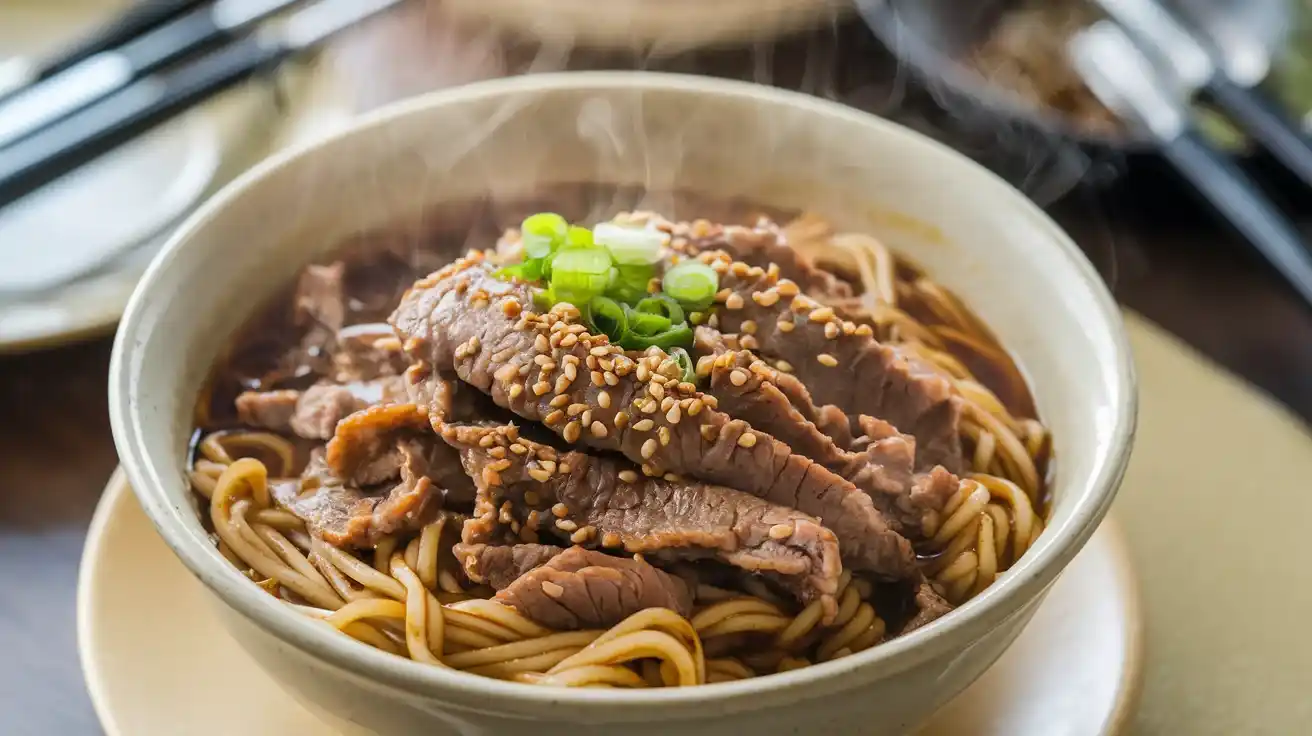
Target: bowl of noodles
623, 401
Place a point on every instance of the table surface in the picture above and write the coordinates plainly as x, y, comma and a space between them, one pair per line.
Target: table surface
1160, 254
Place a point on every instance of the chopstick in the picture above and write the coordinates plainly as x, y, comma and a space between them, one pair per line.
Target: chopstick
1118, 73
139, 18
1196, 66
90, 79
88, 134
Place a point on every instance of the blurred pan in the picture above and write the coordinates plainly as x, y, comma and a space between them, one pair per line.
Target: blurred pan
934, 39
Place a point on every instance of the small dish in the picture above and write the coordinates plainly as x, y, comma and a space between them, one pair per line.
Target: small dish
1075, 669
665, 132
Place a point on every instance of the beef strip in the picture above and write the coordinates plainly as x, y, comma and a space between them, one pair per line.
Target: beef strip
760, 245
839, 362
547, 368
584, 589
930, 606
749, 389
366, 352
501, 565
371, 445
590, 499
344, 514
315, 412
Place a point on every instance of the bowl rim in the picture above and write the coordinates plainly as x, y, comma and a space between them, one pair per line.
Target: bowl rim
1022, 583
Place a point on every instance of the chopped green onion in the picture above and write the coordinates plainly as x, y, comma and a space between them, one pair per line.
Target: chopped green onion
630, 246
680, 334
579, 274
647, 324
578, 237
628, 283
608, 316
530, 270
662, 305
684, 362
543, 299
693, 284
542, 233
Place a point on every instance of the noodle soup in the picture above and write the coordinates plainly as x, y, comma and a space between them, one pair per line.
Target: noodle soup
740, 443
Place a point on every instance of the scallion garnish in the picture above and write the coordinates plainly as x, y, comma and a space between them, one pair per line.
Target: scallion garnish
542, 233
630, 246
685, 363
693, 284
579, 274
628, 283
645, 323
663, 305
608, 317
680, 334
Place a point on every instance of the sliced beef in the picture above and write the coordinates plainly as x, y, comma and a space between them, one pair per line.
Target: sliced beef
548, 369
344, 514
315, 412
930, 606
366, 352
839, 362
749, 389
761, 245
585, 589
602, 500
501, 565
381, 442
320, 299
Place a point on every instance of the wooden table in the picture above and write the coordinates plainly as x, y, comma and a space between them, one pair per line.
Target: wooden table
1162, 257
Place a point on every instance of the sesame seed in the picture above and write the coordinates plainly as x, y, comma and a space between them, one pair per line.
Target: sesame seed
564, 469
823, 314
644, 425
673, 477
650, 407
708, 433
491, 477
516, 390
650, 471
505, 373
600, 350
572, 432
518, 449
542, 359
562, 384
713, 321
591, 362
587, 417
723, 294
664, 434
486, 440
566, 525
501, 464
695, 407
598, 379
747, 342
735, 301
784, 366
553, 417
599, 429
569, 340
738, 377
784, 326
666, 403
576, 409
749, 327
831, 330
611, 379
541, 387
498, 453
746, 439
511, 308
673, 415
540, 344
787, 287
621, 419
559, 402
577, 537
539, 475
827, 360
628, 476
711, 401
571, 371
548, 465
687, 388
643, 373
864, 331
560, 510
609, 539
552, 589
766, 298
603, 399
656, 390
648, 449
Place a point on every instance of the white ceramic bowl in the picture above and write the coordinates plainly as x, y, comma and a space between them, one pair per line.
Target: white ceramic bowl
514, 136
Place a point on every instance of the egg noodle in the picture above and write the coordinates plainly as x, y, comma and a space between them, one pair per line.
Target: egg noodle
408, 596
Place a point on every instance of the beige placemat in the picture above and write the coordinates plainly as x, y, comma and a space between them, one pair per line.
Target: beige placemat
1216, 509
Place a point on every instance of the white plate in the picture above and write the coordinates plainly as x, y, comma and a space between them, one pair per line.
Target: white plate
68, 249
157, 660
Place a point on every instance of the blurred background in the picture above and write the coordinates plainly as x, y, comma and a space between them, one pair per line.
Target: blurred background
118, 118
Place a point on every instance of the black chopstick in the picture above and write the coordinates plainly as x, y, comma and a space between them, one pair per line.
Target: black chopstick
84, 136
203, 28
139, 18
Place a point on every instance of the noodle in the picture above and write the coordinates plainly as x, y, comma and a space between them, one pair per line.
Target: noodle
407, 596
